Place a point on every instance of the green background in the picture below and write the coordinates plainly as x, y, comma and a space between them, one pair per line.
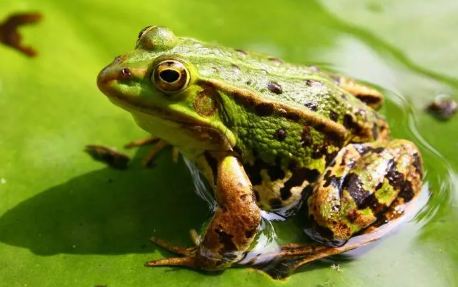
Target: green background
67, 220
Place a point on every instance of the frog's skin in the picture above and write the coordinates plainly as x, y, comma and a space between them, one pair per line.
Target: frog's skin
265, 134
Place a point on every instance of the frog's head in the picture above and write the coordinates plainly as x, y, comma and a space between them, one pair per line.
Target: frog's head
161, 89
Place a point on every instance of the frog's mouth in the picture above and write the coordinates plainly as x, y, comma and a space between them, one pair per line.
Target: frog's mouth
177, 128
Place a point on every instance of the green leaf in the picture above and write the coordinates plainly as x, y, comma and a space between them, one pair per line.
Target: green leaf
67, 220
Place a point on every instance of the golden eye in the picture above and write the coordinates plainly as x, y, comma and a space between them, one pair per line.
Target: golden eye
170, 76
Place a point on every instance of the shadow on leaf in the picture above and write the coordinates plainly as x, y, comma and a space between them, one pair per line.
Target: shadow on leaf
109, 212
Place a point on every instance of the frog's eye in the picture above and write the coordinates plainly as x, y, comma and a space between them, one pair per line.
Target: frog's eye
170, 76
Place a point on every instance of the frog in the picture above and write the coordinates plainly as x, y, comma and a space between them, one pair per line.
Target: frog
267, 135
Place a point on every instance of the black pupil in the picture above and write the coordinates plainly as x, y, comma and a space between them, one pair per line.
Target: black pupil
169, 76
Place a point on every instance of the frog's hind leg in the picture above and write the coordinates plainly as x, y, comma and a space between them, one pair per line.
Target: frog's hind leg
365, 192
391, 219
159, 145
369, 96
360, 186
281, 263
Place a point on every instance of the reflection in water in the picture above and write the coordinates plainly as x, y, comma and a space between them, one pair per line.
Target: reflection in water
202, 190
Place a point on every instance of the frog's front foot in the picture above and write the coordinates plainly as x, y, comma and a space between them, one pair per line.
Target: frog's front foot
159, 145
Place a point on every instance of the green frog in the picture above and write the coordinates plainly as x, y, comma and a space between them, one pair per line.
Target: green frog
267, 135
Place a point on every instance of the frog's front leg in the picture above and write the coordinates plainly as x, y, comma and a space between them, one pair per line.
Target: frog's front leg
233, 227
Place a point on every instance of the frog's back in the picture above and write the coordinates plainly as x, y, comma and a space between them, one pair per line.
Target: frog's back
297, 87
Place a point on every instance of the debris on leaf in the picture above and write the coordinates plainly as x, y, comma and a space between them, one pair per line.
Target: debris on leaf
443, 107
336, 267
10, 36
110, 156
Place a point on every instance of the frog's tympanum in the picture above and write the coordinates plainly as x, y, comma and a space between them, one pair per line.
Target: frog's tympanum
266, 134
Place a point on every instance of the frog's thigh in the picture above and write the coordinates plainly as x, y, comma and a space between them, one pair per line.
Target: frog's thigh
369, 96
236, 219
357, 189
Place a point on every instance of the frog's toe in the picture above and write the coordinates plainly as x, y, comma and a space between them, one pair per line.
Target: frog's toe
175, 261
159, 145
174, 248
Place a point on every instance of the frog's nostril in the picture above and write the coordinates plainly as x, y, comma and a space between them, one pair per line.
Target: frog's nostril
126, 72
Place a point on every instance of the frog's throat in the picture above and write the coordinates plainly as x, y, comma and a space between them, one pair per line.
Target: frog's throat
190, 135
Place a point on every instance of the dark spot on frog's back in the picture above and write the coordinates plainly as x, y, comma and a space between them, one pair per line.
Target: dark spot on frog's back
306, 137
290, 115
280, 135
235, 67
372, 202
352, 215
350, 123
330, 179
310, 83
333, 116
264, 109
244, 101
352, 182
319, 152
312, 106
395, 178
329, 157
254, 172
417, 164
375, 131
275, 172
297, 179
285, 193
240, 51
362, 149
407, 192
370, 99
274, 87
378, 150
276, 61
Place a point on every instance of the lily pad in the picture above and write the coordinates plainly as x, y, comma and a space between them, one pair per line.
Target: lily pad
67, 220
